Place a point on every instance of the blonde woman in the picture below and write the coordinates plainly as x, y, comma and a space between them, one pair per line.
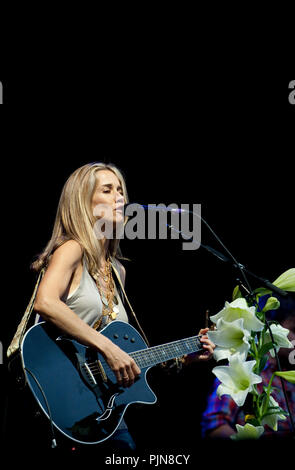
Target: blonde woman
77, 290
74, 248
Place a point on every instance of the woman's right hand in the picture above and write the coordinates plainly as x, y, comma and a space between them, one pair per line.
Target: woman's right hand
124, 367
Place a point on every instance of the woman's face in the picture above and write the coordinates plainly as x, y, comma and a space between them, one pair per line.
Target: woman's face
108, 200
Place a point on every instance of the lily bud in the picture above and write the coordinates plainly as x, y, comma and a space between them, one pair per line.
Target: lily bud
288, 375
272, 304
286, 281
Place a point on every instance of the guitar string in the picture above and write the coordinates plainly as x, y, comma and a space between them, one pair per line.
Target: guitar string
142, 360
159, 353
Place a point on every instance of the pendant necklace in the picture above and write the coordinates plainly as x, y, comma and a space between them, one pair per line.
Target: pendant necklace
108, 298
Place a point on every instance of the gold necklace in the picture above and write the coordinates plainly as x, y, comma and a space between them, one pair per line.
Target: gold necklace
108, 300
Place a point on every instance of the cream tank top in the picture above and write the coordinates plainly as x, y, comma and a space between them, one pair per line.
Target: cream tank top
86, 302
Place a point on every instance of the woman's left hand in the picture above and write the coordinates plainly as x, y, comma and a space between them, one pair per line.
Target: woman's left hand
204, 356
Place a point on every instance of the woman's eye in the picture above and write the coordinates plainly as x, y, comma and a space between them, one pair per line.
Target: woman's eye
106, 191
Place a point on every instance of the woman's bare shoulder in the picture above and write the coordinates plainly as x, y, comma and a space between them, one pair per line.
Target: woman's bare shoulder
70, 252
63, 263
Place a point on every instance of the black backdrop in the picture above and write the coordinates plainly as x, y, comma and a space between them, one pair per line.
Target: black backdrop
222, 138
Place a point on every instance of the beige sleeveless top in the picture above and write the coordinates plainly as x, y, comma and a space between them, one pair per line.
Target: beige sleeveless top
85, 301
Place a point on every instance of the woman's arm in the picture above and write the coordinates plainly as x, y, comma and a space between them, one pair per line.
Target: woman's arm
55, 283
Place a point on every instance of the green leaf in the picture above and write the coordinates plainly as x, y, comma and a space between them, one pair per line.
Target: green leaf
262, 291
236, 293
260, 315
275, 411
265, 348
262, 363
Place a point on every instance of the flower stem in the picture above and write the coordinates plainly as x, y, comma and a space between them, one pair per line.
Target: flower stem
264, 409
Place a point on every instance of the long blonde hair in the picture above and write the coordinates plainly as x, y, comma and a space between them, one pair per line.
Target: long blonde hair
74, 218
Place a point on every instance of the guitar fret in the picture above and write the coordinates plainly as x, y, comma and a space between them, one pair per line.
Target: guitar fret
157, 354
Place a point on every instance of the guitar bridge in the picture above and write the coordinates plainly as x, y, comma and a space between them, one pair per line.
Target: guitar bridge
93, 372
101, 371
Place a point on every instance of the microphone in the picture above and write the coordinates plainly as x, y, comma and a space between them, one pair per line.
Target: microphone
158, 208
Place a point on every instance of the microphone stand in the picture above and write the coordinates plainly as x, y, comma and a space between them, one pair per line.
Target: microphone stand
240, 266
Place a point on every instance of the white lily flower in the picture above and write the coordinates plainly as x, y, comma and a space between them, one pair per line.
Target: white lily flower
280, 336
247, 432
286, 281
272, 419
239, 309
230, 338
237, 379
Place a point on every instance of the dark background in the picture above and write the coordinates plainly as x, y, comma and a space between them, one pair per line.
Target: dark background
185, 124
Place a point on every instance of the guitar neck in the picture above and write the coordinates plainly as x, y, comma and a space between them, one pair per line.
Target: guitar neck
155, 355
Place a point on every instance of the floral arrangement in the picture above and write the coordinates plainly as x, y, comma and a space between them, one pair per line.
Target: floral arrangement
242, 337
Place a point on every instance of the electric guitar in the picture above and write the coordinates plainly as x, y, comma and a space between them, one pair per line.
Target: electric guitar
75, 387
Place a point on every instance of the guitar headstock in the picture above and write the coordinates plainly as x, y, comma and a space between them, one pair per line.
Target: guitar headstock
207, 320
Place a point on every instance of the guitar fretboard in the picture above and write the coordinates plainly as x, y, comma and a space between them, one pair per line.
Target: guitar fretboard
157, 354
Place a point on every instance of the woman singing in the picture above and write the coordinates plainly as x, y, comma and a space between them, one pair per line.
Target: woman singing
77, 292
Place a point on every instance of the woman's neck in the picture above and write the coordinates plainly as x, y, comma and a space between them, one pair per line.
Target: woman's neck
103, 256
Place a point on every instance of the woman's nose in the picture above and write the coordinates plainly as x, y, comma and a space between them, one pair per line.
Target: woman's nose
119, 198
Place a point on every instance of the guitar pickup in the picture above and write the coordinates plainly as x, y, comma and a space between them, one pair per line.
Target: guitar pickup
92, 373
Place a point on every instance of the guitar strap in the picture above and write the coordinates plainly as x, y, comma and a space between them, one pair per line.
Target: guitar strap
21, 329
134, 317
